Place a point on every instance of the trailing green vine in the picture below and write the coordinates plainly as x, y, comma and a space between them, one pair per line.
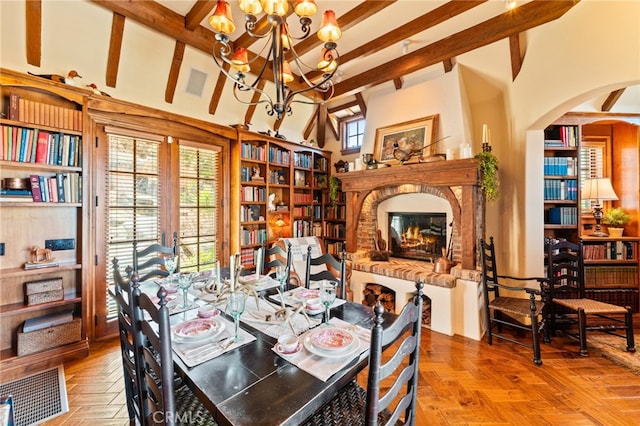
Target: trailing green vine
490, 184
334, 186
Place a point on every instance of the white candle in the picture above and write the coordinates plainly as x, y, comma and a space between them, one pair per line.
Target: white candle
218, 282
258, 261
232, 272
485, 133
449, 154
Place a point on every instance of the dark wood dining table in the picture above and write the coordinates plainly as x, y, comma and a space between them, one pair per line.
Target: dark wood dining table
252, 385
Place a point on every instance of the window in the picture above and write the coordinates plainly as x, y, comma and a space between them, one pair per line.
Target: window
353, 135
594, 163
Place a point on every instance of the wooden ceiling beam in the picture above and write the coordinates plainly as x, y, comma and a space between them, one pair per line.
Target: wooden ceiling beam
528, 16
516, 55
611, 100
198, 12
174, 72
448, 65
405, 31
33, 34
361, 104
115, 49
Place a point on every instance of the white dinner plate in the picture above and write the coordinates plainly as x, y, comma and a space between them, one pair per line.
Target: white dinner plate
317, 351
197, 329
332, 339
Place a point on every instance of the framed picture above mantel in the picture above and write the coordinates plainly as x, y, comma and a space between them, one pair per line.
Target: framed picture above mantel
407, 141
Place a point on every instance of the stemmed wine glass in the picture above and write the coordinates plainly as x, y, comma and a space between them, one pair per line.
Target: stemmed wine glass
327, 297
184, 282
281, 275
235, 306
171, 263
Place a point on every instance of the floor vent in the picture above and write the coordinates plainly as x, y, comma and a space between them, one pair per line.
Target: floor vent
39, 397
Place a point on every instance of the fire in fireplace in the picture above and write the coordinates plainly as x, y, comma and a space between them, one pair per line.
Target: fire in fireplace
419, 236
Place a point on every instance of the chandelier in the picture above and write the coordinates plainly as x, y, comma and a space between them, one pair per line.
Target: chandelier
279, 52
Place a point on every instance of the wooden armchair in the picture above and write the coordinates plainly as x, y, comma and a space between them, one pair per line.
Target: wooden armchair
568, 306
512, 311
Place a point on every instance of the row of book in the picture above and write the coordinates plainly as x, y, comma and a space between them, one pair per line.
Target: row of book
252, 193
611, 276
303, 211
247, 256
252, 236
38, 146
302, 198
40, 113
302, 228
334, 230
279, 156
302, 160
560, 189
252, 152
59, 188
250, 213
610, 250
563, 216
561, 136
321, 163
334, 248
560, 166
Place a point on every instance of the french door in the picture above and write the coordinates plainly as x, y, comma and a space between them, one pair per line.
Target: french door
152, 186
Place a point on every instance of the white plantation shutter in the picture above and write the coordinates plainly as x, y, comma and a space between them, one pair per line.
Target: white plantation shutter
592, 165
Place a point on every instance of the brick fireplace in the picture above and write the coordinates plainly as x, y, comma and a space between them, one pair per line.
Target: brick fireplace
455, 296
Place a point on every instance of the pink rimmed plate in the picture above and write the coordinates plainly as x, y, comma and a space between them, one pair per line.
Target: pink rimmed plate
332, 339
195, 329
308, 344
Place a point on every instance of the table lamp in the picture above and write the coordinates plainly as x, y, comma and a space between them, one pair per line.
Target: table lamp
280, 223
598, 189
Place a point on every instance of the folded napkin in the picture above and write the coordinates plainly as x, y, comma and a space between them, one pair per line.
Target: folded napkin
324, 367
197, 352
261, 315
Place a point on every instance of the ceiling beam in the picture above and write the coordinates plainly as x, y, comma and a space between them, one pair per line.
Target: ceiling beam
362, 104
34, 32
115, 49
516, 55
447, 64
527, 16
611, 100
198, 12
405, 31
174, 72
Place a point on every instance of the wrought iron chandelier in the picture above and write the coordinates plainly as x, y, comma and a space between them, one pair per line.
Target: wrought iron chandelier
236, 64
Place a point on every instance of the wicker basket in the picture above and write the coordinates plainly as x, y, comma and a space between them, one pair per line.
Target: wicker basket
43, 291
48, 338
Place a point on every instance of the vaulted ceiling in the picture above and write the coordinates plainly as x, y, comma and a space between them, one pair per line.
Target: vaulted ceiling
383, 42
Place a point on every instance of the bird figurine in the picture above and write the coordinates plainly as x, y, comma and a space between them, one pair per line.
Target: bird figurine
69, 79
97, 91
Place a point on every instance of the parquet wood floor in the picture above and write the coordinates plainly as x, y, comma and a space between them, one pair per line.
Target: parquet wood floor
462, 382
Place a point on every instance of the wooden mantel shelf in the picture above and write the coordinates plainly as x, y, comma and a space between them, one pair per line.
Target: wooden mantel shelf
442, 174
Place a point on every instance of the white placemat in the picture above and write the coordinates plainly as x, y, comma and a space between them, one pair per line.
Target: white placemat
325, 367
194, 353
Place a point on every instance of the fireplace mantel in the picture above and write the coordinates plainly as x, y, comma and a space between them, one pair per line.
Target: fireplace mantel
444, 175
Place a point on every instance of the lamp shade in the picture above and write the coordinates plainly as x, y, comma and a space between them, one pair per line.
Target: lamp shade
329, 31
598, 189
221, 20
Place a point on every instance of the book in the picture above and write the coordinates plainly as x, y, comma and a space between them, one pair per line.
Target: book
43, 189
14, 99
60, 178
25, 192
35, 188
42, 148
34, 145
45, 321
31, 265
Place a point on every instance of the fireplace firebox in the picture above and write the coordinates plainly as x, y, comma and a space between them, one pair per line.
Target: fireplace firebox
418, 236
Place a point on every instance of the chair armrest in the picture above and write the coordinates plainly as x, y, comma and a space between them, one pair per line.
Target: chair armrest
539, 279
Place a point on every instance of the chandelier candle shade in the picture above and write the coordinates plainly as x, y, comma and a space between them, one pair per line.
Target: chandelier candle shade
279, 50
598, 189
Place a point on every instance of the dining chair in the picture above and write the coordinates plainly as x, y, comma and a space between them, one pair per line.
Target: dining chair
122, 295
399, 345
327, 267
149, 261
569, 308
523, 309
165, 400
274, 256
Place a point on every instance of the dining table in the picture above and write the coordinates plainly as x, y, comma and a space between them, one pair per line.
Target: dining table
252, 384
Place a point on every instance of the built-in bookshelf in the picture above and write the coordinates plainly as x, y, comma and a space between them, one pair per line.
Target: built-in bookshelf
561, 181
611, 270
41, 151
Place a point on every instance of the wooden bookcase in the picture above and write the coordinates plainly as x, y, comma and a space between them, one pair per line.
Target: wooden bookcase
611, 270
561, 190
277, 191
43, 108
335, 224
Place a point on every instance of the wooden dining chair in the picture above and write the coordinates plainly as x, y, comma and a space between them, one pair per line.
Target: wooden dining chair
149, 261
327, 267
274, 256
399, 345
122, 295
164, 399
570, 309
520, 313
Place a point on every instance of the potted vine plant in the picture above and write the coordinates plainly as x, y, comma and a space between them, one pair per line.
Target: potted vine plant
488, 166
616, 219
334, 187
